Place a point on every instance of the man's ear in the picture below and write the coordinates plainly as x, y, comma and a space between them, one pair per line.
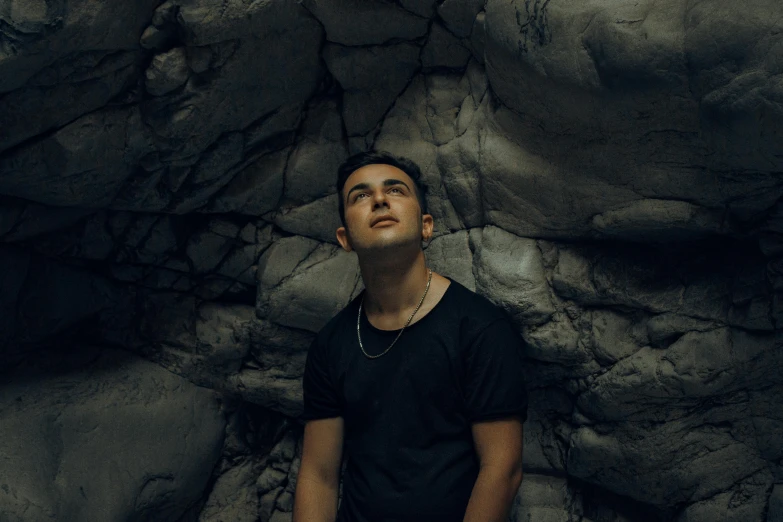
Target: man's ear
343, 239
427, 227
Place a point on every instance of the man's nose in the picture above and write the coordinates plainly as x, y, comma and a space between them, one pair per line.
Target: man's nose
379, 199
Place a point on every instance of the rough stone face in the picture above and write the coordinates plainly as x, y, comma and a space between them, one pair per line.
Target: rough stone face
370, 84
444, 50
328, 277
83, 164
105, 432
510, 271
607, 172
41, 299
37, 34
363, 22
167, 71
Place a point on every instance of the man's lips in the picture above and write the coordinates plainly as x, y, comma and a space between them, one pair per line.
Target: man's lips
382, 219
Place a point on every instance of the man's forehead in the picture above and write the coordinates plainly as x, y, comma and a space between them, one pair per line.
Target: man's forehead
377, 173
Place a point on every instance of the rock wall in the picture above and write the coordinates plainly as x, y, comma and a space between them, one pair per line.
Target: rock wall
609, 172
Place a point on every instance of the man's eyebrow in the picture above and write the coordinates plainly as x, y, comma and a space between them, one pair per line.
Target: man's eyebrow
358, 186
392, 182
386, 183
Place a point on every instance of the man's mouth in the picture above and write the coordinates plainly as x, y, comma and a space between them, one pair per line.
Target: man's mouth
382, 219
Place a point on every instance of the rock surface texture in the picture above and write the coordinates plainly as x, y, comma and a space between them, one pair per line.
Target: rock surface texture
608, 172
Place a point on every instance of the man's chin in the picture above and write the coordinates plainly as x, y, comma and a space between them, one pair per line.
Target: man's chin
386, 246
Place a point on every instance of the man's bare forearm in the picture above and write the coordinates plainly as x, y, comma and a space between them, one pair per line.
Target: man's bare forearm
314, 501
493, 494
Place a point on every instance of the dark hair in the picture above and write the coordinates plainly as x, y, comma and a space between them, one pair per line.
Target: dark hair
380, 157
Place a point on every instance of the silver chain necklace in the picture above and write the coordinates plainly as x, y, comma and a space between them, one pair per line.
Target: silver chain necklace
358, 319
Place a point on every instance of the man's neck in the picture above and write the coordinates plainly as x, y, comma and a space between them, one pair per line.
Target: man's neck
392, 288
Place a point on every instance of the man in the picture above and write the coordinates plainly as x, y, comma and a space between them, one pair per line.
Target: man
419, 378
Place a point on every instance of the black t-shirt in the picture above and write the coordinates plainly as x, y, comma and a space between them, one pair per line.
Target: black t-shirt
408, 414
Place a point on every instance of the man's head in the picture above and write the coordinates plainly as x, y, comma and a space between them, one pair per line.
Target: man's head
375, 185
379, 157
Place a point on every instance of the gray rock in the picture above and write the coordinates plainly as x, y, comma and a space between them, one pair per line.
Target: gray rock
450, 255
478, 38
370, 84
40, 34
267, 503
78, 165
698, 364
269, 388
281, 259
15, 266
445, 96
318, 289
443, 49
744, 502
285, 503
276, 346
283, 452
217, 160
318, 219
206, 250
234, 496
11, 210
240, 264
543, 450
21, 220
459, 15
510, 272
627, 279
187, 122
312, 167
424, 117
206, 344
548, 499
366, 22
167, 72
64, 91
775, 508
651, 220
255, 189
40, 297
406, 127
663, 328
281, 516
111, 426
556, 341
425, 8
158, 242
616, 336
633, 54
458, 162
270, 479
688, 460
529, 194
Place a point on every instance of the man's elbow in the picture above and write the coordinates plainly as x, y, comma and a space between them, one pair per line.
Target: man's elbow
511, 472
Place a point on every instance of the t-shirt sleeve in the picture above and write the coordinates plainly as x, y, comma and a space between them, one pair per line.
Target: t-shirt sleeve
321, 399
495, 385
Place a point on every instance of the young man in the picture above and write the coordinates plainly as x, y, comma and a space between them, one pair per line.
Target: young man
419, 378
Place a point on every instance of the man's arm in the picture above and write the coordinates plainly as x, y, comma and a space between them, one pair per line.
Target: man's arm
318, 481
499, 448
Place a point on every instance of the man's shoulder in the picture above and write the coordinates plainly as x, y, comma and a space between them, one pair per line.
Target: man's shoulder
472, 305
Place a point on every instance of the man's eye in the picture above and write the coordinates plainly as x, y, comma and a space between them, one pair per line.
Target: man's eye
358, 196
395, 189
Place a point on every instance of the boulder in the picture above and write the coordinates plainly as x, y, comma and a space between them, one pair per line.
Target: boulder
104, 432
368, 22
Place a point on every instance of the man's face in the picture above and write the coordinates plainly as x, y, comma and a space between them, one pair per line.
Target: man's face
382, 210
